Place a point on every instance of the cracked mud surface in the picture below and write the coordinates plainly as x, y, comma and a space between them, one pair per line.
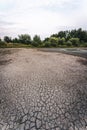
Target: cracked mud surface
42, 91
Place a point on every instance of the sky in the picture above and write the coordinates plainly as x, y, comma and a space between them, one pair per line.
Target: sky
41, 17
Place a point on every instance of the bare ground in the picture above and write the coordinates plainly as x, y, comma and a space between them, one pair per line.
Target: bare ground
42, 90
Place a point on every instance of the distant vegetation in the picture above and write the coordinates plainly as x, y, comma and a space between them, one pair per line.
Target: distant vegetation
73, 38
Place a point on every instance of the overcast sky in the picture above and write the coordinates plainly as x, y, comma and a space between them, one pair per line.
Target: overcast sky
42, 17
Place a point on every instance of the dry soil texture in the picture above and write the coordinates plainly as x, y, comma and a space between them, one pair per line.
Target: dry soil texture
42, 90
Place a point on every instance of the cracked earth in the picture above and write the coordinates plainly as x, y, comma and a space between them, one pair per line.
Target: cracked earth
42, 90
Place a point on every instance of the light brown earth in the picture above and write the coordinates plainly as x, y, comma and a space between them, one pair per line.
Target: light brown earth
42, 90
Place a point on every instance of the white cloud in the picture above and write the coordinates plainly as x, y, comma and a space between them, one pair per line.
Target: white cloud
41, 16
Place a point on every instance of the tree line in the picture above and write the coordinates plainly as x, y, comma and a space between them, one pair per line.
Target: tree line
68, 38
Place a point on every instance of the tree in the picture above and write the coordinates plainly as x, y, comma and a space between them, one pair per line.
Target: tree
7, 39
79, 33
0, 40
24, 38
82, 35
36, 41
61, 41
69, 43
74, 41
53, 41
62, 34
73, 33
47, 44
2, 43
46, 39
15, 40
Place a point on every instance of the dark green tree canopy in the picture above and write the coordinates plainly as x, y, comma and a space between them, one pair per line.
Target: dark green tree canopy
25, 38
15, 40
7, 39
36, 40
68, 38
79, 33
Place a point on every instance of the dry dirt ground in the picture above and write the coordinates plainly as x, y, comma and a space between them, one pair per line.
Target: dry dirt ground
42, 90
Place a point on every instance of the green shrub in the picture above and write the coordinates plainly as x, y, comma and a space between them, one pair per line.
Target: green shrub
24, 38
74, 41
36, 41
47, 44
84, 45
35, 44
3, 44
69, 43
61, 41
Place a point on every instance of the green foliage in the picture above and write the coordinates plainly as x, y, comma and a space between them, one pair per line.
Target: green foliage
2, 43
74, 41
15, 40
24, 38
35, 44
73, 38
61, 41
47, 44
7, 39
15, 45
62, 34
69, 43
81, 34
85, 44
36, 41
53, 41
46, 39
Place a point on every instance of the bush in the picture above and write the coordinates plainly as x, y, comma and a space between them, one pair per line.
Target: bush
61, 41
7, 39
53, 44
53, 41
47, 44
36, 40
74, 41
24, 38
2, 44
83, 44
69, 43
35, 44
